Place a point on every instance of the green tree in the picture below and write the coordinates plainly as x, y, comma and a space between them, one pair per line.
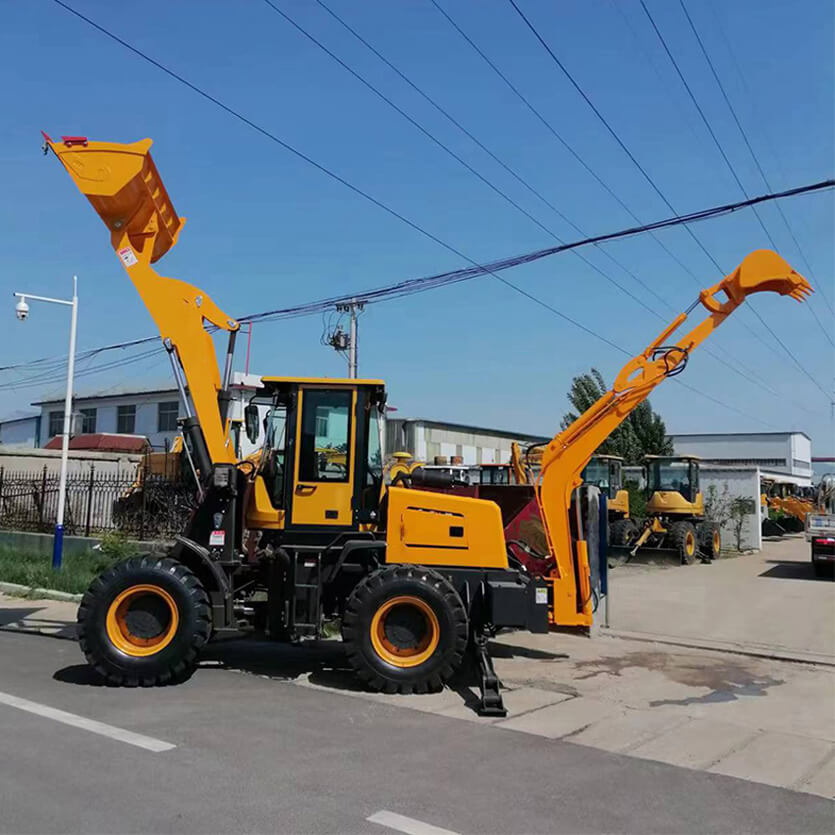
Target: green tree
642, 433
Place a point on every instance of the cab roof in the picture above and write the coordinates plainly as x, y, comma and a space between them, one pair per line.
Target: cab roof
672, 458
323, 381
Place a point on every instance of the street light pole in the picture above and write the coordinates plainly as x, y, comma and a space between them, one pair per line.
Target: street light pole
22, 311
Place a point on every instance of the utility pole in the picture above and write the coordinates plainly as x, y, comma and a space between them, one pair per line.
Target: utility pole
350, 342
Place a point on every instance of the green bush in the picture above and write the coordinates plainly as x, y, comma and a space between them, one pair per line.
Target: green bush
115, 546
637, 500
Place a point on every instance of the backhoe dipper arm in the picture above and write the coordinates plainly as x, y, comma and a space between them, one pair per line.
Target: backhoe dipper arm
123, 186
568, 453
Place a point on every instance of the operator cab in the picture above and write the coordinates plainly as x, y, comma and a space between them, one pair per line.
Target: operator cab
494, 474
321, 464
672, 474
606, 473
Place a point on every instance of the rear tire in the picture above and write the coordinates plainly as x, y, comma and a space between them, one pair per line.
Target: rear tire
405, 629
623, 532
710, 539
144, 621
683, 539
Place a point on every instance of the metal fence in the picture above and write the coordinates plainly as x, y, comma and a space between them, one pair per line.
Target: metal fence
147, 506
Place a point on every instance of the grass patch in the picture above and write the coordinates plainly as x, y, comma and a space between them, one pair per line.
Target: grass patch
35, 570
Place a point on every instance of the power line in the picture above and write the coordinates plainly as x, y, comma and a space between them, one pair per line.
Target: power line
429, 135
412, 285
757, 163
631, 156
704, 119
742, 188
565, 144
518, 177
766, 137
338, 178
610, 129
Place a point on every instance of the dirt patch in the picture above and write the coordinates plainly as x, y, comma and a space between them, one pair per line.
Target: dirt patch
726, 679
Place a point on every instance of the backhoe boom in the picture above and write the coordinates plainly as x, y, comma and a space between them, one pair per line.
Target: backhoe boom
564, 458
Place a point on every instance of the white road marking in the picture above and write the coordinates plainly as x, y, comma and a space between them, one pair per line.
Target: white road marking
131, 738
408, 825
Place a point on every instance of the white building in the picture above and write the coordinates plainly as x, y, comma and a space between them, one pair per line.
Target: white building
784, 456
440, 442
149, 412
20, 429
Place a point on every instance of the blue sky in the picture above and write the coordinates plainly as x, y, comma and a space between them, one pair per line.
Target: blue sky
266, 230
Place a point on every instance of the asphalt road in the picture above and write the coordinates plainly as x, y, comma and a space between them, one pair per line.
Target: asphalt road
256, 754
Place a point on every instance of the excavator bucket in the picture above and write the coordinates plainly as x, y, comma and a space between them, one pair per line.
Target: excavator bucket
761, 271
124, 187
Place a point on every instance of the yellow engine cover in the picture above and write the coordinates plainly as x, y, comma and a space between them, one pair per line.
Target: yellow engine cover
667, 502
441, 529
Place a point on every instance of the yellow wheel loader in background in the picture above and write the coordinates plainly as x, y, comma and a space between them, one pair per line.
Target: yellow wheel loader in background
675, 512
279, 545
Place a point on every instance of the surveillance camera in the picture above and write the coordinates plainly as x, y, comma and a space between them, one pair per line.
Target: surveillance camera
21, 309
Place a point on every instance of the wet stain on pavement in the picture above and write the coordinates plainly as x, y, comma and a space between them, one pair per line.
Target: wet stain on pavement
726, 679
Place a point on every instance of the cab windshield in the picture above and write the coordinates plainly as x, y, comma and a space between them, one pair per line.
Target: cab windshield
670, 475
597, 473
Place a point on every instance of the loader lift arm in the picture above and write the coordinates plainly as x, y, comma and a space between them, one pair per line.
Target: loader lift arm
564, 458
123, 186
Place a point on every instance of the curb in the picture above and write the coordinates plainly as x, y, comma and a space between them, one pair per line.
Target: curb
37, 593
722, 646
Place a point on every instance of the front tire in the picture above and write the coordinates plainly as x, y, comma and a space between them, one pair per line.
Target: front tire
683, 539
144, 621
405, 629
623, 532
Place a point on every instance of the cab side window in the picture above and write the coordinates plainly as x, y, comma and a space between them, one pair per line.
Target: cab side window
325, 434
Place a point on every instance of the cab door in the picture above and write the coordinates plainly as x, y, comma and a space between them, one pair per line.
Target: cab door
323, 476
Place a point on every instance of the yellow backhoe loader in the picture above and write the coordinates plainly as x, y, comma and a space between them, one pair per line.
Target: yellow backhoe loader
417, 578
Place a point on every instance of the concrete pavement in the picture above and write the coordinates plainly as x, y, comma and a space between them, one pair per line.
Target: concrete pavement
769, 603
259, 755
756, 718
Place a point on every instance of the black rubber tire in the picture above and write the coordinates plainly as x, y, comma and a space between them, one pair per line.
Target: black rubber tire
174, 662
681, 535
433, 589
823, 569
623, 532
704, 534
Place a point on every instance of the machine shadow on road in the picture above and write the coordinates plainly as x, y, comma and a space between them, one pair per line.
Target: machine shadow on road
8, 616
792, 570
321, 663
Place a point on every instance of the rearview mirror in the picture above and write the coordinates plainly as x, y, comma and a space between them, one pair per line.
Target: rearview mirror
251, 422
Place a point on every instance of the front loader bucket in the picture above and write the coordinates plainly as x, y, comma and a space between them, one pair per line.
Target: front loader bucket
124, 187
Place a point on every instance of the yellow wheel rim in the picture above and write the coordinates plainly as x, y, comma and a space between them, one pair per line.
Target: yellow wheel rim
405, 631
142, 620
717, 542
690, 544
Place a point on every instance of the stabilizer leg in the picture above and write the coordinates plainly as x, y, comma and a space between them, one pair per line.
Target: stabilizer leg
491, 703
